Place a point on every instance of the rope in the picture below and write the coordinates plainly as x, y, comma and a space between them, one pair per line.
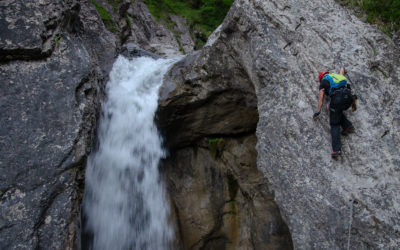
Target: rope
350, 222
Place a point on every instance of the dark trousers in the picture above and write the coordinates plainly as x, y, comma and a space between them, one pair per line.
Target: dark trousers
337, 119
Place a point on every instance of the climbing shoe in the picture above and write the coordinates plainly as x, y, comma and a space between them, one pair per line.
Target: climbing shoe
336, 154
348, 130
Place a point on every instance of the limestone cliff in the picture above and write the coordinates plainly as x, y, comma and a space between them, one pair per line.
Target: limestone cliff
208, 116
247, 168
270, 52
54, 57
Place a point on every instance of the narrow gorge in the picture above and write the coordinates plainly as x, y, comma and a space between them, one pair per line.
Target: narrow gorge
119, 132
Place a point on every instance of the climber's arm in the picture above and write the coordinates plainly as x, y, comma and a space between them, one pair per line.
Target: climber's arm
320, 102
320, 99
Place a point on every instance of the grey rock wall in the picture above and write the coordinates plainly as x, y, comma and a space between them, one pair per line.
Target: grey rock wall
150, 35
208, 116
221, 200
279, 47
54, 58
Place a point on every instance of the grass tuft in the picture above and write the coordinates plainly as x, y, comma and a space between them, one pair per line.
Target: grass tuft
384, 13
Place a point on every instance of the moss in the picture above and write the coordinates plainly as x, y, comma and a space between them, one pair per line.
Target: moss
57, 38
129, 20
215, 146
106, 17
115, 4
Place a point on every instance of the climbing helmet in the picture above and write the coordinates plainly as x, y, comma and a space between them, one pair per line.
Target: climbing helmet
321, 74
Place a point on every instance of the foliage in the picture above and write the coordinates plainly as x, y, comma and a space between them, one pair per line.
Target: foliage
203, 16
57, 38
385, 13
106, 17
215, 146
115, 4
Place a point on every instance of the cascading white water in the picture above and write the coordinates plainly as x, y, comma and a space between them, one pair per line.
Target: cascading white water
124, 200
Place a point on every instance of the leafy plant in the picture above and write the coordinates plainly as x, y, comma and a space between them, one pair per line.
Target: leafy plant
57, 38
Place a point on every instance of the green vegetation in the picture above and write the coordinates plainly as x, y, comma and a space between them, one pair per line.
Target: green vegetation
57, 38
385, 13
203, 16
115, 4
215, 146
106, 17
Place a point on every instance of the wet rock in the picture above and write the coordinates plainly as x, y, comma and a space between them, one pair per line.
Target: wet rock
221, 199
131, 50
49, 100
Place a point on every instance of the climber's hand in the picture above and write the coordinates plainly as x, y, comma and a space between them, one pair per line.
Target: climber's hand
316, 114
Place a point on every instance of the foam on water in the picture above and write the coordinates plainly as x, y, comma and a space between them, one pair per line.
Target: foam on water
124, 199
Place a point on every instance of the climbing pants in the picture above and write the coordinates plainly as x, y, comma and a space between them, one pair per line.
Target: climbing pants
337, 119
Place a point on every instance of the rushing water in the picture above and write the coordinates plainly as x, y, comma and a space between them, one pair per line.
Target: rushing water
124, 202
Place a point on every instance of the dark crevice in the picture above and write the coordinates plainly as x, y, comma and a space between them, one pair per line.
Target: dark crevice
23, 54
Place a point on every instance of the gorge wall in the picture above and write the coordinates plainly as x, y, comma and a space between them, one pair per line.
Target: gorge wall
247, 167
275, 49
54, 59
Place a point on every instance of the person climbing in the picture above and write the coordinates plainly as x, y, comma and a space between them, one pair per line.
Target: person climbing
336, 86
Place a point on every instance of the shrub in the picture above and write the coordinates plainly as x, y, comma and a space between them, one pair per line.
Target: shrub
385, 13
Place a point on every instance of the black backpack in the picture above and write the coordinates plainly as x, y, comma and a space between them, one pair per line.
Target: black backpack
342, 98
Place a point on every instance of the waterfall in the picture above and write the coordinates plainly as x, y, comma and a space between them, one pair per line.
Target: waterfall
124, 202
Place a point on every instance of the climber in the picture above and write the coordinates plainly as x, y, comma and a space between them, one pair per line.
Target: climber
336, 87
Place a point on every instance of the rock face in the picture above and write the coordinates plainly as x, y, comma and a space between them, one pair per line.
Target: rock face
208, 116
248, 167
54, 57
272, 51
221, 200
154, 37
